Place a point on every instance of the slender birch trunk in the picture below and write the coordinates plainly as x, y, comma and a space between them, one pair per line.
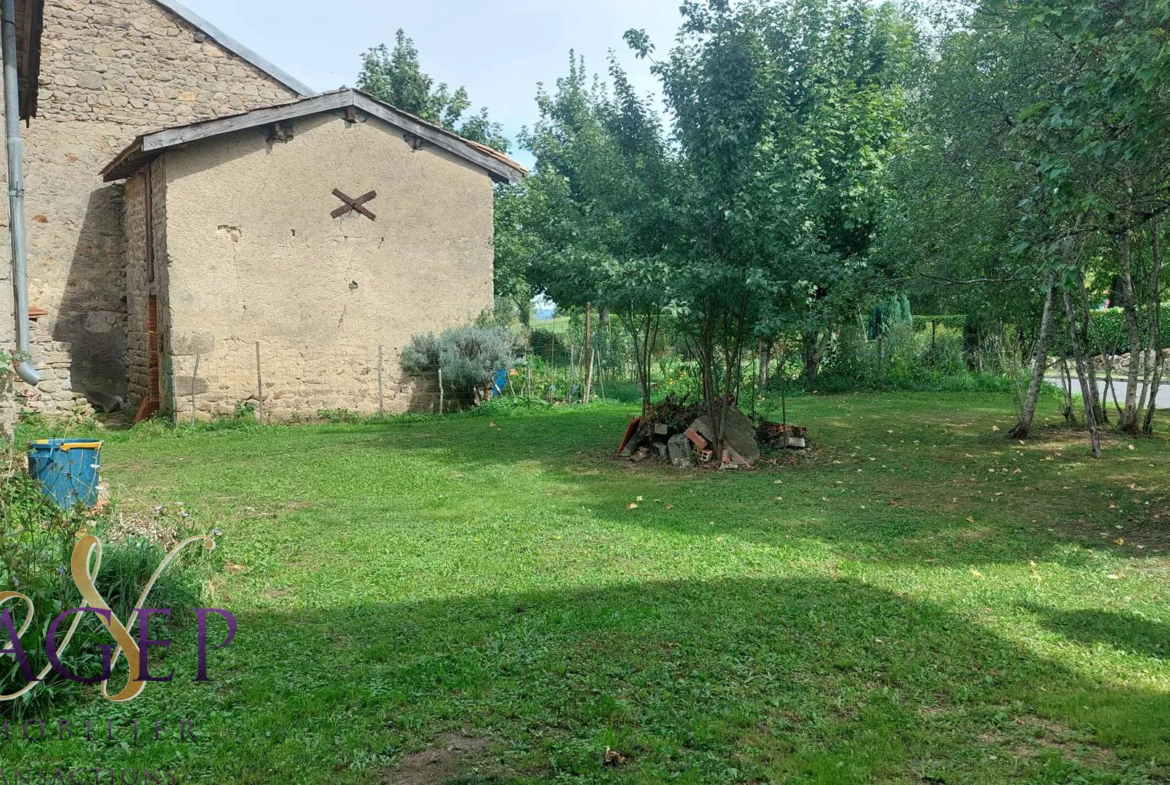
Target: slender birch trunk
1039, 365
1083, 377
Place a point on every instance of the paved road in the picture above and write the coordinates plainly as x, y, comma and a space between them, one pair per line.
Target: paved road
1119, 386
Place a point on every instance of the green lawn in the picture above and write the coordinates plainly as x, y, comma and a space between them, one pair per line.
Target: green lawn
917, 600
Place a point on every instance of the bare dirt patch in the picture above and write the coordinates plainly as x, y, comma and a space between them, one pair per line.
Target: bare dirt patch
453, 757
1034, 735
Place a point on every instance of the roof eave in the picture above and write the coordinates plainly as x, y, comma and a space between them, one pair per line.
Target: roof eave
149, 146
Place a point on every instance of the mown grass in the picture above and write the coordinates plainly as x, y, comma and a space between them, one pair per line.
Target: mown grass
918, 599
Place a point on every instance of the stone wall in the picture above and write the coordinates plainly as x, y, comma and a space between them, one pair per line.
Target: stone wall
111, 69
137, 287
255, 258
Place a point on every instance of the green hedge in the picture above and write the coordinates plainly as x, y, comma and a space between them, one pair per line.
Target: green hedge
955, 322
1107, 333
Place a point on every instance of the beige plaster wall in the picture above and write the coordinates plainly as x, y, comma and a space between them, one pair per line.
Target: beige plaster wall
254, 256
111, 69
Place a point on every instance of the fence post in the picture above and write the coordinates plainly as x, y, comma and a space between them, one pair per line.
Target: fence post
259, 387
381, 389
194, 383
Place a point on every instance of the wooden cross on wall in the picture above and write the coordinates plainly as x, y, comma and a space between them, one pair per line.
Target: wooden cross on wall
354, 205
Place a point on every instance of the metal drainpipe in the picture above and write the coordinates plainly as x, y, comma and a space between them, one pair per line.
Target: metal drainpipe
24, 369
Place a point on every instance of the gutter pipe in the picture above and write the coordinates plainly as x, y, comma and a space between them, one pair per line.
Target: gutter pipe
16, 225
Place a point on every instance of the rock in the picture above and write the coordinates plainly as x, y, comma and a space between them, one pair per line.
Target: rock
739, 434
679, 449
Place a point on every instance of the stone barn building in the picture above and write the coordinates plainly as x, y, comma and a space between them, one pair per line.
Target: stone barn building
110, 71
284, 256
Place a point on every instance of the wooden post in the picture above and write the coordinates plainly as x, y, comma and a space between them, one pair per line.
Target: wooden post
381, 388
588, 354
194, 382
601, 372
440, 391
259, 387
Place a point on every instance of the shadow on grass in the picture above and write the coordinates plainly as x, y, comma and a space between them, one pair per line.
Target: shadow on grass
725, 680
1123, 631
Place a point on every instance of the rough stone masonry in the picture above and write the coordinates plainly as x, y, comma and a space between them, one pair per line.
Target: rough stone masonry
110, 70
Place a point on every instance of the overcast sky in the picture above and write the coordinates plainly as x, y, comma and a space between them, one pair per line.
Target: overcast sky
499, 50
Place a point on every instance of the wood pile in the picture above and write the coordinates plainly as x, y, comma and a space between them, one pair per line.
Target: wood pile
682, 433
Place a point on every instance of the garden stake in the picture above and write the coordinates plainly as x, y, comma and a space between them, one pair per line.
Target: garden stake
259, 387
381, 389
194, 381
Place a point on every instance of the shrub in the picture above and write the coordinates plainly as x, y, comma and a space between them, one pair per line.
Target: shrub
36, 545
467, 356
548, 346
908, 361
923, 323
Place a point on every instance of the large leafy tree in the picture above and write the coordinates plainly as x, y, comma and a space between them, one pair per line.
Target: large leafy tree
785, 115
590, 224
1039, 170
396, 77
1104, 158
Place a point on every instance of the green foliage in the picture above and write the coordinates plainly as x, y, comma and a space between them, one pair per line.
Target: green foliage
892, 314
36, 536
549, 346
339, 416
907, 359
396, 77
591, 223
36, 546
467, 356
1107, 334
953, 322
786, 117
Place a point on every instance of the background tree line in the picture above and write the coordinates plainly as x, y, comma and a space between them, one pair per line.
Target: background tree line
820, 160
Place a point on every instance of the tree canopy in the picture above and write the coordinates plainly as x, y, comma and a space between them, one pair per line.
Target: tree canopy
396, 77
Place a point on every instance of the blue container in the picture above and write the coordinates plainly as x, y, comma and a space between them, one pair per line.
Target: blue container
499, 384
67, 469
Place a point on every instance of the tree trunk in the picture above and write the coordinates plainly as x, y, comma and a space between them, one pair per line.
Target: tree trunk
1129, 417
588, 353
815, 344
765, 364
1079, 358
1066, 385
1094, 392
1155, 327
1039, 365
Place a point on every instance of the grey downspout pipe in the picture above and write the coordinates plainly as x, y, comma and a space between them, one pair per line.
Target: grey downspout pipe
24, 368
